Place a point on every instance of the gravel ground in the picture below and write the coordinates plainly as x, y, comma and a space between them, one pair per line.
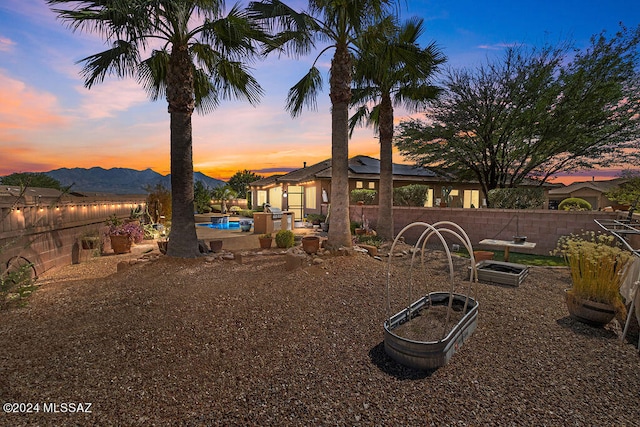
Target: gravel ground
192, 342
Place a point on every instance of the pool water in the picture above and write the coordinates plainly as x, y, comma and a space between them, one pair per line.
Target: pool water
220, 226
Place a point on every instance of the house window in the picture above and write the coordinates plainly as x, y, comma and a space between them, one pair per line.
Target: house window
372, 185
359, 184
429, 202
262, 198
471, 198
310, 197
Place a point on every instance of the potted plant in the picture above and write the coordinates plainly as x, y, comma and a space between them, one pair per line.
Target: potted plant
90, 240
598, 268
265, 240
122, 234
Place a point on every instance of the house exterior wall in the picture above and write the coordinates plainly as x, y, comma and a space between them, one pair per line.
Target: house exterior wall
542, 227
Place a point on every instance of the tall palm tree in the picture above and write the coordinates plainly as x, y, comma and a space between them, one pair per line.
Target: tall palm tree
200, 59
391, 69
336, 24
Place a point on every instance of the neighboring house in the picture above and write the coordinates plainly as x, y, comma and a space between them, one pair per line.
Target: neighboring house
591, 191
307, 190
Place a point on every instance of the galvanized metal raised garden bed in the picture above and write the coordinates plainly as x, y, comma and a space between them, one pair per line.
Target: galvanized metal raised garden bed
431, 353
503, 273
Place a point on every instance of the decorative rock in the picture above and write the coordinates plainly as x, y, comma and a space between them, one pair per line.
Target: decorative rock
122, 265
317, 260
371, 250
294, 261
228, 256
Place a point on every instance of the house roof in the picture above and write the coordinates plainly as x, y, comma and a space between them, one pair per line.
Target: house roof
359, 166
365, 166
599, 186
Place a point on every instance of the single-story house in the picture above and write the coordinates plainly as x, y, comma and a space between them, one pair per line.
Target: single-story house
591, 191
308, 190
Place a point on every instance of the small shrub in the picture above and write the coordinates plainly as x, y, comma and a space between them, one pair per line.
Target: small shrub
247, 213
235, 209
411, 195
574, 204
517, 198
285, 239
353, 225
363, 195
316, 218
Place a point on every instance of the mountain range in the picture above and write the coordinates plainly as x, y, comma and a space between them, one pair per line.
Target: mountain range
119, 180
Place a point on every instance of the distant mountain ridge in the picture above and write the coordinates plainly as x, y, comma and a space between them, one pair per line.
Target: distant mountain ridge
119, 180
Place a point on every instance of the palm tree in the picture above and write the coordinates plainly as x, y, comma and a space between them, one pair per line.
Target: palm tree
338, 24
391, 70
200, 60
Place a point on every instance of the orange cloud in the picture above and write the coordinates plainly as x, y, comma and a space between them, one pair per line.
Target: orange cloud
23, 108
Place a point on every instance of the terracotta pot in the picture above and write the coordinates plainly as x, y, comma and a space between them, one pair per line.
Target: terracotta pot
311, 244
215, 245
120, 244
265, 243
482, 255
590, 312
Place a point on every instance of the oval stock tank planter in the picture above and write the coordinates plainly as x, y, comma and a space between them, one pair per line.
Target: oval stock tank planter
120, 244
427, 333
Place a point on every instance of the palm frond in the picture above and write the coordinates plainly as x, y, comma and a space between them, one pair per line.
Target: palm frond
234, 81
152, 74
121, 60
305, 92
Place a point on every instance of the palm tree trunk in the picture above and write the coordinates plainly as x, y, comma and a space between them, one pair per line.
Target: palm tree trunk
384, 226
340, 83
183, 241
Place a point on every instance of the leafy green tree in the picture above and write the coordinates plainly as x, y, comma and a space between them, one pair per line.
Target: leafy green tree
535, 113
201, 60
517, 198
391, 70
201, 196
31, 179
627, 193
224, 195
240, 181
337, 25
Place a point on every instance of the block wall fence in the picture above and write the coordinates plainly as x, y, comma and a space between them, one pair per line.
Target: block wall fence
50, 236
542, 227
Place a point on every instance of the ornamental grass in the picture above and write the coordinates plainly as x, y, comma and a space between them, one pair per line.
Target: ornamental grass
598, 267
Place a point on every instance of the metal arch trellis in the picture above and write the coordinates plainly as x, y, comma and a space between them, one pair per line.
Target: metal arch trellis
622, 229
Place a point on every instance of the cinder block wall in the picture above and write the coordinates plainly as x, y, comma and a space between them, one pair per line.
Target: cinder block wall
50, 236
542, 227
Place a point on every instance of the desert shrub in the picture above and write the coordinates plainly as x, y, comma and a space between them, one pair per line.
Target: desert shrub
285, 239
411, 195
370, 240
316, 218
363, 195
517, 198
235, 209
574, 204
247, 213
16, 283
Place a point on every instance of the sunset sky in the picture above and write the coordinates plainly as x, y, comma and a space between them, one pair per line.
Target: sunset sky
48, 120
